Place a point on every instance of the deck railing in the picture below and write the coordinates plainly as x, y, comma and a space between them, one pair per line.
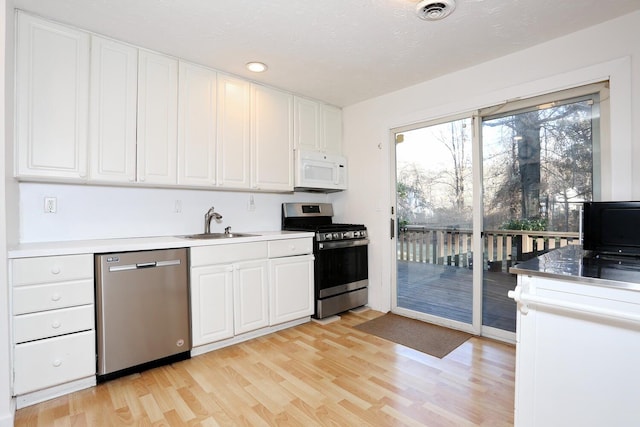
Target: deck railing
452, 246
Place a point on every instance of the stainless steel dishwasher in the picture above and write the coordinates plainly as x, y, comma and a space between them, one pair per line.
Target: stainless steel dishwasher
142, 301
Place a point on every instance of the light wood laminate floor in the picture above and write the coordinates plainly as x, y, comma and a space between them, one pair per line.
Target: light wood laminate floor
309, 375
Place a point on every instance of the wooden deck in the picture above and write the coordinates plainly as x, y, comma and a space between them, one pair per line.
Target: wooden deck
446, 291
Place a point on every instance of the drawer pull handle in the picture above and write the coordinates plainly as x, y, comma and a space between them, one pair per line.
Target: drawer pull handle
57, 363
55, 270
55, 297
56, 324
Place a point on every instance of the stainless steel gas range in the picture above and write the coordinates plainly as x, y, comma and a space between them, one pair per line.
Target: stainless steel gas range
341, 257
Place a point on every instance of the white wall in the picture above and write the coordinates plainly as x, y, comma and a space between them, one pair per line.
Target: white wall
97, 212
609, 50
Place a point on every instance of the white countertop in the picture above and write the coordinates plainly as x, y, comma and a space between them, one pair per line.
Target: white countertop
73, 247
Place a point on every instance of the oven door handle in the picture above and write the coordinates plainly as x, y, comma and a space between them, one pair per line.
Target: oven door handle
342, 244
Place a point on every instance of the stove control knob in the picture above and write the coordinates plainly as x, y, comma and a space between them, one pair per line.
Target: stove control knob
327, 236
336, 235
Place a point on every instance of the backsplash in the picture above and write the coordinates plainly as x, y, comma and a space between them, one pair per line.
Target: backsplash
97, 212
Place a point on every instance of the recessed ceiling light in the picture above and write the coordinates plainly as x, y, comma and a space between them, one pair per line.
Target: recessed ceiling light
256, 67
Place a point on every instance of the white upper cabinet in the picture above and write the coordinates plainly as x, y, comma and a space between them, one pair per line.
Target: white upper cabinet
331, 129
91, 109
196, 126
234, 132
306, 125
52, 100
271, 139
317, 126
112, 112
157, 118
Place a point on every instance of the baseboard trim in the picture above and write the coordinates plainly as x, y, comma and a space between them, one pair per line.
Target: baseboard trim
38, 396
246, 336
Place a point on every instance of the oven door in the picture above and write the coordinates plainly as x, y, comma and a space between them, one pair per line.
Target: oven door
340, 267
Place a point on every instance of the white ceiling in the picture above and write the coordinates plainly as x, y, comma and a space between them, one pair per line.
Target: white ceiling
339, 51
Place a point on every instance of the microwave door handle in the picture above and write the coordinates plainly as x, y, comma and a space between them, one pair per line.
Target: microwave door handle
338, 166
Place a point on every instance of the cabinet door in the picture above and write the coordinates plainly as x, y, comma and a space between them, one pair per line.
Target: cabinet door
157, 118
250, 296
577, 348
271, 139
234, 133
196, 126
52, 100
291, 288
331, 129
211, 303
306, 125
112, 121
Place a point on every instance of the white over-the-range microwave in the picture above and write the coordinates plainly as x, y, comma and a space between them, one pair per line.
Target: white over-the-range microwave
322, 172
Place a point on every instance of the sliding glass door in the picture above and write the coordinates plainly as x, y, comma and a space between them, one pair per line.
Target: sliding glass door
434, 218
537, 171
475, 196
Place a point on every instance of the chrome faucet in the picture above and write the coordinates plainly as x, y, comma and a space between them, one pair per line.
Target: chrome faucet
211, 214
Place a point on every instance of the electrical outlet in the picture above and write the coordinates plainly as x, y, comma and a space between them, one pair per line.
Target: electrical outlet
251, 206
50, 205
178, 206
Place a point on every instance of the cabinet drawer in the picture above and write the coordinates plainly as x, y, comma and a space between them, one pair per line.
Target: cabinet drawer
29, 299
29, 327
225, 254
290, 247
45, 363
29, 271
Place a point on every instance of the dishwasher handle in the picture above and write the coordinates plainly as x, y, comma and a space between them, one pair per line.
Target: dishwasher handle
146, 264
141, 265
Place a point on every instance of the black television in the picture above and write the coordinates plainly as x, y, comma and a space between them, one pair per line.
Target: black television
612, 228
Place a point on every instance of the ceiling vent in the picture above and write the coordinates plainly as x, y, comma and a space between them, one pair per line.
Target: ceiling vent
431, 10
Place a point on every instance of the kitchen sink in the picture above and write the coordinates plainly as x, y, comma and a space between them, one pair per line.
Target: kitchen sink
217, 235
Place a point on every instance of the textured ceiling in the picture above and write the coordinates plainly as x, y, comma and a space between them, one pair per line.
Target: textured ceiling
339, 51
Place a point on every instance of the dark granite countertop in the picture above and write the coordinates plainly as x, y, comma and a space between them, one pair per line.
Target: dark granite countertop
576, 264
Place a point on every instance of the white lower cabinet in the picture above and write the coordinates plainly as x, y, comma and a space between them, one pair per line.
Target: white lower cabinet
53, 361
291, 281
242, 289
576, 353
250, 296
228, 283
53, 322
211, 303
228, 299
